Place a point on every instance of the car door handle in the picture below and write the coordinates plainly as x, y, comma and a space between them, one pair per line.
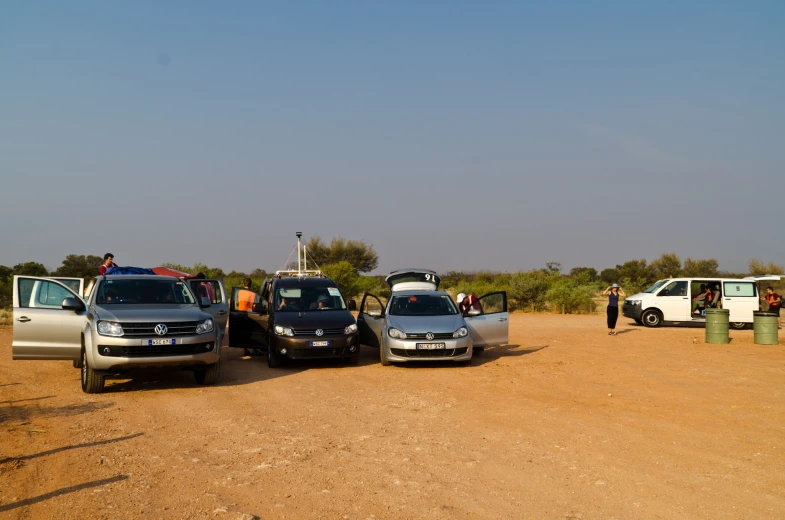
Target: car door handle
23, 319
221, 313
502, 319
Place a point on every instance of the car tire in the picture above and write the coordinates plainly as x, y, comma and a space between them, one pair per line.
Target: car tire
77, 363
478, 350
738, 326
274, 359
209, 375
639, 322
652, 318
92, 383
382, 358
352, 360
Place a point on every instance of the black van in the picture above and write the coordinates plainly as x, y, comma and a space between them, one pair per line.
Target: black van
297, 315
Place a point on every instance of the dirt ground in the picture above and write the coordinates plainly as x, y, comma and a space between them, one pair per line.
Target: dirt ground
565, 422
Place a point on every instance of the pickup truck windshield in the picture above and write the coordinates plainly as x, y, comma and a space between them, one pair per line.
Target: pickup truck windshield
296, 299
423, 305
145, 292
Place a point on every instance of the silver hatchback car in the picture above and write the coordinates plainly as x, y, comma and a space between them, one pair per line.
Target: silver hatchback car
421, 323
122, 323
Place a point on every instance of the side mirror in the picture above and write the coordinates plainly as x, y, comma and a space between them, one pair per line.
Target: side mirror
375, 314
205, 302
473, 312
351, 305
73, 304
260, 307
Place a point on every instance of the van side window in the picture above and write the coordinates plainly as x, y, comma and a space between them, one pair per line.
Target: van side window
675, 289
740, 289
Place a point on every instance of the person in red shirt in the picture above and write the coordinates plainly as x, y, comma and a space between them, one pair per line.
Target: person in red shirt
775, 302
108, 263
205, 289
466, 303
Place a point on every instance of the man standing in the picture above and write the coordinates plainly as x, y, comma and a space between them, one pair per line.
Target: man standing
108, 263
775, 302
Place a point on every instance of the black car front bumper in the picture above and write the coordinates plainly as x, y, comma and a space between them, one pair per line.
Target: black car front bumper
299, 347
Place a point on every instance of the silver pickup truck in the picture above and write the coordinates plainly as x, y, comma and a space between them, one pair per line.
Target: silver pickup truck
120, 323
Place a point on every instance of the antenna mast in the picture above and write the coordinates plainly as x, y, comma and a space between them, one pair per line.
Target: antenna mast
299, 263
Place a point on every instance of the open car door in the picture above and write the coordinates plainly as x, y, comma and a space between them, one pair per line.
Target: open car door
492, 325
247, 320
43, 329
212, 292
75, 284
371, 321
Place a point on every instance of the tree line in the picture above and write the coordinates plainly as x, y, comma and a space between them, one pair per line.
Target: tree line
348, 263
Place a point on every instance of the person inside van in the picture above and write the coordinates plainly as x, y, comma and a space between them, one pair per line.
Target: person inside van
715, 298
699, 302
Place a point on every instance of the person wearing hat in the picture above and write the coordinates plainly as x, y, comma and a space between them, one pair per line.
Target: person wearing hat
613, 292
321, 302
466, 303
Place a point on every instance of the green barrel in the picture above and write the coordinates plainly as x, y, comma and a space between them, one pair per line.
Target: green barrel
765, 325
717, 325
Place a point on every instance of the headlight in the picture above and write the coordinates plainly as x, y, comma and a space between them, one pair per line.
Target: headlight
205, 326
109, 328
395, 333
633, 302
351, 329
460, 333
283, 331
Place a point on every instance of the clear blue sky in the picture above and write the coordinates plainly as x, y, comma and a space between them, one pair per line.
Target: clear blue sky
449, 134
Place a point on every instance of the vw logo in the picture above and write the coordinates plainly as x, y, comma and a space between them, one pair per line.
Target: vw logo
429, 336
161, 329
319, 332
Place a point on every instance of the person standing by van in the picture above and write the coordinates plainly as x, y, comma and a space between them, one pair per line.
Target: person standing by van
775, 302
613, 292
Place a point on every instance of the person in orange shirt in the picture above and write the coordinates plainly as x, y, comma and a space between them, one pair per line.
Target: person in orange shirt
245, 297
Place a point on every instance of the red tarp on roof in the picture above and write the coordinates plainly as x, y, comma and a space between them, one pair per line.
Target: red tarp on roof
166, 271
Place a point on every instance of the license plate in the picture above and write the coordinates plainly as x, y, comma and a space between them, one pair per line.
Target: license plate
320, 343
161, 341
431, 346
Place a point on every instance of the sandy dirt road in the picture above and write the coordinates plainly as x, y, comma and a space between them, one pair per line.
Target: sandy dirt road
565, 422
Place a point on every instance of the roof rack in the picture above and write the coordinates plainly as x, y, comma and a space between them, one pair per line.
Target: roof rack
306, 273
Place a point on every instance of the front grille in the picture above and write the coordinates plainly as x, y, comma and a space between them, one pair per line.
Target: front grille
450, 352
176, 328
436, 335
322, 352
142, 351
312, 332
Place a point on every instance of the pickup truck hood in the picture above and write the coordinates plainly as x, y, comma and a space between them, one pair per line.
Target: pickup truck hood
422, 324
315, 319
150, 313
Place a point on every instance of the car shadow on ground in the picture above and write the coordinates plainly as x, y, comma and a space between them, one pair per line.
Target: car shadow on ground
237, 368
488, 355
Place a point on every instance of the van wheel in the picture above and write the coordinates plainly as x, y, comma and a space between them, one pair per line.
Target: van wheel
92, 383
208, 376
652, 318
639, 322
77, 363
739, 326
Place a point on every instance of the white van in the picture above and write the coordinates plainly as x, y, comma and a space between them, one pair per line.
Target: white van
679, 300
